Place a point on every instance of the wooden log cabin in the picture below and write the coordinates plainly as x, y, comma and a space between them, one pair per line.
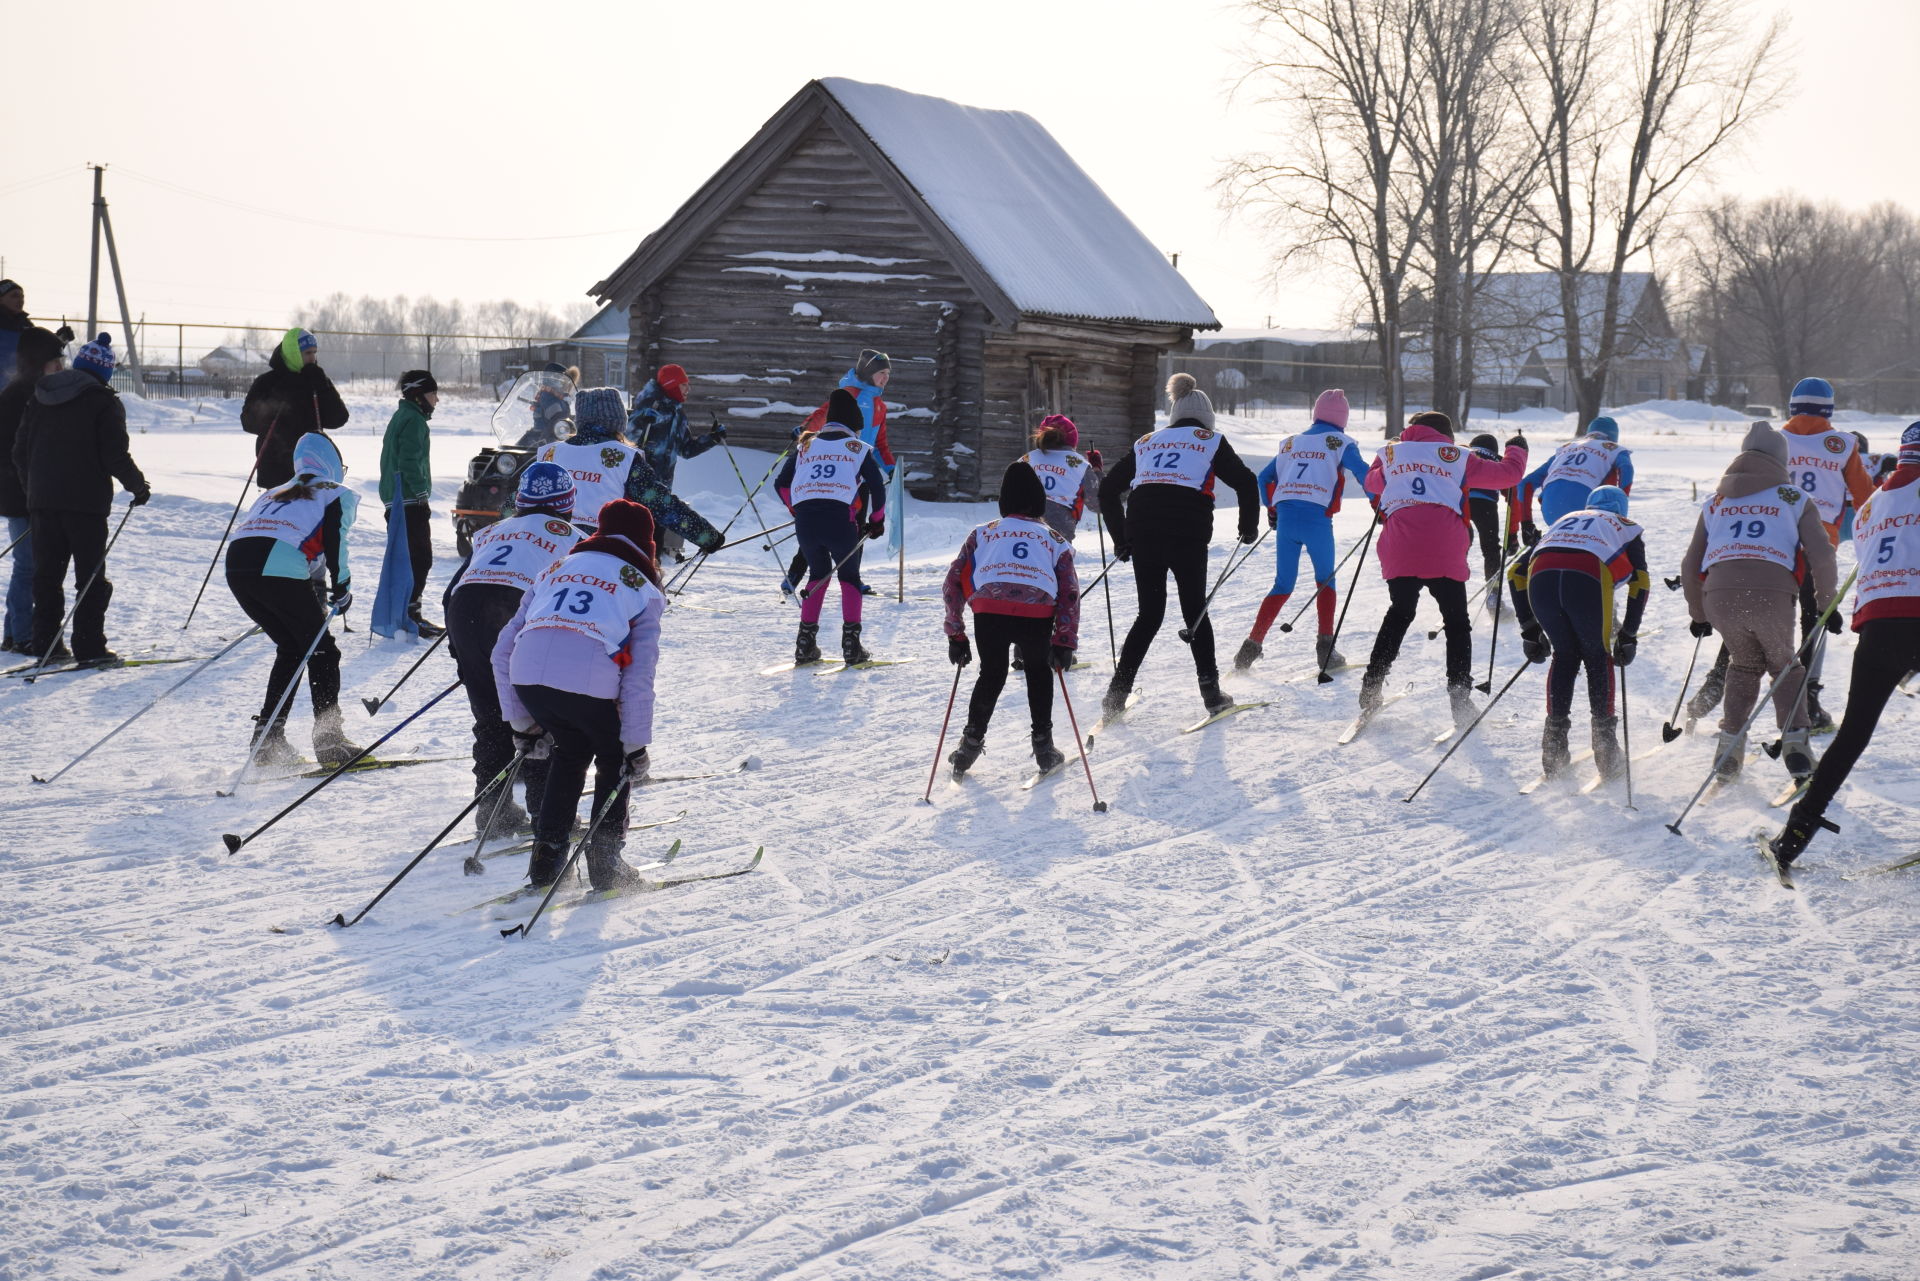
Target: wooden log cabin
965, 243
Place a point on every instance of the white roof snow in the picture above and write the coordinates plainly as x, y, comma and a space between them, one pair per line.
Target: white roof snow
1033, 219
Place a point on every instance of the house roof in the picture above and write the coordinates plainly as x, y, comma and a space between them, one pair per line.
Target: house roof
1522, 311
608, 322
1287, 337
1027, 228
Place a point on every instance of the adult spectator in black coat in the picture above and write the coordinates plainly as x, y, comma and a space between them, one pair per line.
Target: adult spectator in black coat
38, 355
292, 398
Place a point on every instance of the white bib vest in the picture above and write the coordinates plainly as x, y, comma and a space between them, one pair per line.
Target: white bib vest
1016, 549
1763, 526
599, 475
592, 593
1176, 456
1601, 533
292, 521
513, 553
829, 467
1063, 474
1886, 545
1817, 465
1423, 471
1306, 468
1585, 461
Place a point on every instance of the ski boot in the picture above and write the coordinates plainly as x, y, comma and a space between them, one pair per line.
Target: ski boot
1461, 698
1114, 702
1713, 686
544, 864
1606, 747
1250, 651
606, 870
1818, 719
1373, 686
1796, 753
99, 658
972, 742
1729, 755
1216, 699
427, 630
270, 745
850, 647
806, 646
330, 743
509, 820
1045, 755
866, 589
1326, 655
1802, 826
1019, 660
1554, 752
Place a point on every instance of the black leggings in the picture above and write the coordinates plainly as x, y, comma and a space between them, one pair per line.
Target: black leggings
79, 538
586, 731
419, 545
1566, 603
1403, 595
475, 615
1485, 513
290, 613
993, 634
1889, 648
1187, 562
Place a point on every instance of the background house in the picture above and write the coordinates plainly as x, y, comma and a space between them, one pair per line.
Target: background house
598, 348
1247, 370
964, 242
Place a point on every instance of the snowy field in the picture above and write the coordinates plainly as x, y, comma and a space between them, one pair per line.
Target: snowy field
1260, 1020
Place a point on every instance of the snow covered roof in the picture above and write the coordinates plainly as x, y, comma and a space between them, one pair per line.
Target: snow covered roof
608, 322
1291, 337
1033, 219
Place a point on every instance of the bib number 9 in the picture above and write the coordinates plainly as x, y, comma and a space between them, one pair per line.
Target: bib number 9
1418, 485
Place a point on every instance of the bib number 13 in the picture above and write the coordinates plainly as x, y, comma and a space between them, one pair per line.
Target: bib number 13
582, 600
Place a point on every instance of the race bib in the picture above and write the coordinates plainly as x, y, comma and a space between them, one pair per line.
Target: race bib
599, 475
1063, 474
1422, 471
512, 553
1886, 545
290, 521
1586, 461
1763, 526
1016, 549
1603, 534
1817, 464
1307, 468
829, 467
592, 593
1176, 456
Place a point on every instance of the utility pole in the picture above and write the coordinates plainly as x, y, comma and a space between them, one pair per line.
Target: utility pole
102, 224
93, 272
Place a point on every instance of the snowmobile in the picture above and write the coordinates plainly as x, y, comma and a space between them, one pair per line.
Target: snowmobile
536, 411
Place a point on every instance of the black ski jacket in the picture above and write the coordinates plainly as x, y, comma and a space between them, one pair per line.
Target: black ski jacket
72, 446
1155, 514
281, 407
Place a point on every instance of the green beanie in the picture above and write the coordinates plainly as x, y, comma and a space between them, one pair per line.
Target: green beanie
294, 346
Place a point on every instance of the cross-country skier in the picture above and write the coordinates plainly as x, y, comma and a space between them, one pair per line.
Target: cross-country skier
1564, 480
605, 467
1483, 509
1420, 485
1754, 539
1016, 574
507, 557
1302, 488
865, 382
576, 664
1824, 463
1158, 501
658, 425
1070, 478
292, 398
1886, 618
833, 486
293, 534
1563, 596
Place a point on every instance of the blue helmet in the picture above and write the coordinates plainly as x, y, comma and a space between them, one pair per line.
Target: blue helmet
1605, 429
546, 487
1608, 498
1811, 396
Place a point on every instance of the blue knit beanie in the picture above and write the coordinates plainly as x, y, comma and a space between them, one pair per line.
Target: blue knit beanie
599, 413
1605, 429
1608, 498
96, 358
1811, 396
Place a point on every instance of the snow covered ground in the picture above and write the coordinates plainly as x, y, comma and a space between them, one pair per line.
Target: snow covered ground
1260, 1020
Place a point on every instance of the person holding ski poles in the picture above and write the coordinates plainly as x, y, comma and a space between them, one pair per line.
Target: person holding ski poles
1420, 485
833, 486
1016, 574
1756, 537
605, 466
1565, 479
864, 382
294, 535
1825, 464
1302, 489
486, 592
658, 425
293, 398
1886, 618
1563, 596
575, 664
1158, 502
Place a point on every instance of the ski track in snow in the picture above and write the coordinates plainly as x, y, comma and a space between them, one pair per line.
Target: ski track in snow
1263, 1019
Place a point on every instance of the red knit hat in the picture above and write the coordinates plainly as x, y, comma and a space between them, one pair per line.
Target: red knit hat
673, 381
1069, 433
624, 518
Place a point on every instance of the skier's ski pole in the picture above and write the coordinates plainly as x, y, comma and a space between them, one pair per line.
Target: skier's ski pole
728, 450
1486, 686
474, 866
279, 708
835, 571
79, 596
1818, 626
1462, 737
1352, 587
526, 927
1186, 633
1626, 736
245, 485
1099, 806
234, 843
1100, 528
941, 746
1668, 729
686, 576
373, 705
1288, 625
231, 645
747, 538
340, 918
1100, 577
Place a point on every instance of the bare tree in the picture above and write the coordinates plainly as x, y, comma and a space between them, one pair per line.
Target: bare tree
1627, 104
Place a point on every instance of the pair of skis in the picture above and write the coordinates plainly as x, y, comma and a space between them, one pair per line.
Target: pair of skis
832, 666
1211, 718
644, 885
36, 671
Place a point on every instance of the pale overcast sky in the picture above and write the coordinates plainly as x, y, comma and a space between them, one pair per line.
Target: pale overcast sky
499, 123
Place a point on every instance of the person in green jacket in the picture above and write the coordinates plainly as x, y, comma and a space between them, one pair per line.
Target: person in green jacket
405, 468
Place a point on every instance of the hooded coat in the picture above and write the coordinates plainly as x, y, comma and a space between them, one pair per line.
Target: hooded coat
1752, 472
291, 399
72, 446
658, 425
1428, 540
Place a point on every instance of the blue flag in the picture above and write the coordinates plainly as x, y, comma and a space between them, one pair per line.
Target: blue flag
897, 510
396, 577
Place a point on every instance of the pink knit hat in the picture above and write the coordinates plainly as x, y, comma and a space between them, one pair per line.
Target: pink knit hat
1069, 432
1331, 408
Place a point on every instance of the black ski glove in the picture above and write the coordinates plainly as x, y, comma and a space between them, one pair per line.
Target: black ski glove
959, 652
1700, 630
1060, 657
142, 496
1249, 534
341, 597
1516, 439
1835, 623
1273, 518
875, 528
1122, 552
1533, 643
64, 334
1624, 646
712, 543
1530, 534
638, 766
718, 432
